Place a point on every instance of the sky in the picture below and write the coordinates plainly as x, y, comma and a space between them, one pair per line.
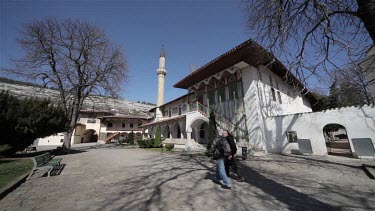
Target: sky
192, 32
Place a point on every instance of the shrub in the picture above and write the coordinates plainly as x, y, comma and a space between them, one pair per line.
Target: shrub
148, 143
141, 143
169, 146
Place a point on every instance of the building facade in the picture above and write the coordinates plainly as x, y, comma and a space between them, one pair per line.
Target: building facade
241, 87
100, 126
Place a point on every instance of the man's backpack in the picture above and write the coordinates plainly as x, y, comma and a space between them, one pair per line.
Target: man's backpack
219, 150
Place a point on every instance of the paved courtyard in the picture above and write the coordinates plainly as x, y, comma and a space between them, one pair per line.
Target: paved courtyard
138, 179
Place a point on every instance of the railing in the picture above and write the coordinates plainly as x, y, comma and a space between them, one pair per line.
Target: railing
111, 137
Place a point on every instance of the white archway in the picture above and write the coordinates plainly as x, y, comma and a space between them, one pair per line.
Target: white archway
199, 129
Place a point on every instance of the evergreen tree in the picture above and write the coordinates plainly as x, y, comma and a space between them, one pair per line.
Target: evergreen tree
131, 137
158, 140
211, 129
24, 120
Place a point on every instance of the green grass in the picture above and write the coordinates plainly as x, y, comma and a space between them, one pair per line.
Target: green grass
12, 169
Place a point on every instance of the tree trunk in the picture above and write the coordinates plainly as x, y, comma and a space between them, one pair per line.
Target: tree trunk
67, 139
366, 12
77, 103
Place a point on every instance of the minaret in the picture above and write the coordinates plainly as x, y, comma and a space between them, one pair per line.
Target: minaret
161, 72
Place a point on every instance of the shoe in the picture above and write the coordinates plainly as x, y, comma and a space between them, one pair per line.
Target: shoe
240, 179
216, 181
226, 187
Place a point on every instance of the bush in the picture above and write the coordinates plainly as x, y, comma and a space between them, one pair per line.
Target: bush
169, 146
148, 143
141, 143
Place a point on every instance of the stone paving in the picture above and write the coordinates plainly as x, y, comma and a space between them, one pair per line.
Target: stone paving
139, 179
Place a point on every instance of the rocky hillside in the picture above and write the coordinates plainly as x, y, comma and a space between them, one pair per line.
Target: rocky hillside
22, 89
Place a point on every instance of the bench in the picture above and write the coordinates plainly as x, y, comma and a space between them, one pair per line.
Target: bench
44, 161
29, 149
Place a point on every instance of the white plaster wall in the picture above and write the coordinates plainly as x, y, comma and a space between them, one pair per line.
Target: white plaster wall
94, 126
54, 140
258, 102
292, 101
359, 122
252, 108
176, 104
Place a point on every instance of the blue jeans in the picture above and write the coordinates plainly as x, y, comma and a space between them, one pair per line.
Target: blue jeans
220, 172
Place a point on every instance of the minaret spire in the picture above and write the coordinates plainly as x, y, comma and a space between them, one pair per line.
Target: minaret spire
162, 54
161, 72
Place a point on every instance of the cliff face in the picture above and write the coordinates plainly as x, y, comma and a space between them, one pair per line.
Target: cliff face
93, 102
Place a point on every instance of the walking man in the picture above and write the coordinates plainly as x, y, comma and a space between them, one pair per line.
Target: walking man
221, 150
233, 161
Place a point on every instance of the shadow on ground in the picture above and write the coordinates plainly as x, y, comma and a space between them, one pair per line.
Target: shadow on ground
159, 187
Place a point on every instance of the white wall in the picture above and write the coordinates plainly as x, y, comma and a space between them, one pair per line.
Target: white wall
54, 140
292, 101
258, 102
359, 122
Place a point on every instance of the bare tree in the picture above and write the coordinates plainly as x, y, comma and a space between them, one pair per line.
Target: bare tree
73, 56
313, 37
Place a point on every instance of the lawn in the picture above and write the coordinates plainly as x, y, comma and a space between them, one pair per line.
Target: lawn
12, 169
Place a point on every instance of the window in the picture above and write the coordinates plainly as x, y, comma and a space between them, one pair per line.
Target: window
123, 125
211, 97
221, 94
184, 107
179, 111
131, 125
165, 113
259, 74
271, 83
273, 94
232, 91
232, 79
61, 140
109, 124
170, 113
279, 95
291, 136
174, 110
139, 125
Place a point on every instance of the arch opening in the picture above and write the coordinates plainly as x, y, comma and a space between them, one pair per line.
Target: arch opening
337, 141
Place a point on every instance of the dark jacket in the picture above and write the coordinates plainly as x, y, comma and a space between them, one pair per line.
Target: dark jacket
232, 145
221, 145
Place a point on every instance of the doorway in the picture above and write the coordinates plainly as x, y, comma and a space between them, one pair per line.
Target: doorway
337, 141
